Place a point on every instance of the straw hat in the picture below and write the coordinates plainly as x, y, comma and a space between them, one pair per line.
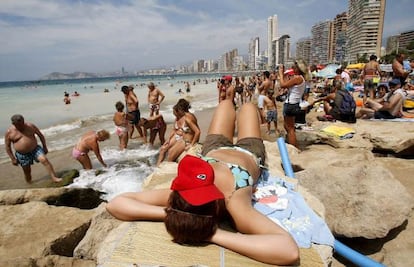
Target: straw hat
303, 68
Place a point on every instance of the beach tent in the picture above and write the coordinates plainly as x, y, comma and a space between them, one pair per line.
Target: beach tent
328, 71
356, 66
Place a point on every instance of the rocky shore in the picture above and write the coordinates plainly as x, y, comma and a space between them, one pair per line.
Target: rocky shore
362, 186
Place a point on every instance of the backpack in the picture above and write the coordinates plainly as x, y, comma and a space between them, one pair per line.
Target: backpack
347, 107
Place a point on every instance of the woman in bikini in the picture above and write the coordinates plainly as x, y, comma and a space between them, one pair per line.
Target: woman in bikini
214, 187
89, 141
183, 136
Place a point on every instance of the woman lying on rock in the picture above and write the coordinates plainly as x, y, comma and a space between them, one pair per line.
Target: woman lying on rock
216, 186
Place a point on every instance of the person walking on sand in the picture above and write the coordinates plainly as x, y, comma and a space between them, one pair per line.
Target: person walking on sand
266, 85
22, 135
132, 105
155, 97
121, 124
270, 110
89, 141
371, 75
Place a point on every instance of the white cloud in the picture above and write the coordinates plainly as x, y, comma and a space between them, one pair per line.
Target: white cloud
41, 36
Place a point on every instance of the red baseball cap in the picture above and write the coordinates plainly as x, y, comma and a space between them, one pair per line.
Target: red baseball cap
289, 72
195, 181
227, 78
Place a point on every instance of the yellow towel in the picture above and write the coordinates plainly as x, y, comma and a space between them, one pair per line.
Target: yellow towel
338, 131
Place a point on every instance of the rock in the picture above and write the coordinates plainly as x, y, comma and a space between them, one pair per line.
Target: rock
102, 223
35, 230
361, 197
386, 136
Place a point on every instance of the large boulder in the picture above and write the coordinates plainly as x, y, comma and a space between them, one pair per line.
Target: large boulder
361, 197
387, 136
35, 230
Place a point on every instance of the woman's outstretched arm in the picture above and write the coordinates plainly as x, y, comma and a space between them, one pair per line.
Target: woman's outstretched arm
146, 205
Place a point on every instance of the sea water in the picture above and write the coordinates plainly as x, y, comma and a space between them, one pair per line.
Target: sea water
41, 103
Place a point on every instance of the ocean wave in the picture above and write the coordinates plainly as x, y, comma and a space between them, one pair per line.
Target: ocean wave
126, 172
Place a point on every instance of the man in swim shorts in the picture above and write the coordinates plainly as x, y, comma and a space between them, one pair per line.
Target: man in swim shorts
132, 105
155, 97
22, 135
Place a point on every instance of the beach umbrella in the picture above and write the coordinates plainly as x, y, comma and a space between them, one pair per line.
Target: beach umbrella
328, 72
357, 66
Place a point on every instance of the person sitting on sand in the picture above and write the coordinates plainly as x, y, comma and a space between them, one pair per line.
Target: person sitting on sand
184, 135
155, 124
215, 187
121, 124
89, 141
23, 137
389, 107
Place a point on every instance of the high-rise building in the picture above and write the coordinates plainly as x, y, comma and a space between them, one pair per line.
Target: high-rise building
284, 49
339, 37
253, 54
364, 28
272, 42
322, 44
405, 39
303, 49
392, 44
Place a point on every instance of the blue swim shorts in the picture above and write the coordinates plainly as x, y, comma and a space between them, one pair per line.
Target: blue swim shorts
27, 159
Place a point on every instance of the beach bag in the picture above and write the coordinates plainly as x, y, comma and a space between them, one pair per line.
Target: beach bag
347, 107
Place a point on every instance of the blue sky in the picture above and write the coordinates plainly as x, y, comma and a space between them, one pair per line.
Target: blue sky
42, 36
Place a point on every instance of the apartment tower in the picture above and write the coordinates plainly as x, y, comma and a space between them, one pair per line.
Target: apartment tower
364, 28
272, 42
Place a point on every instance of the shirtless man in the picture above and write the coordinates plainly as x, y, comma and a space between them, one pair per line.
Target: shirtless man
155, 97
22, 135
265, 86
390, 107
89, 141
271, 111
155, 124
371, 76
398, 69
134, 114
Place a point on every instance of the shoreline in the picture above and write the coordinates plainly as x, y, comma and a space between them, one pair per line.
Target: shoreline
61, 160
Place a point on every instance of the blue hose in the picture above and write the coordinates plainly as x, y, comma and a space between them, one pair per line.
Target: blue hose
341, 249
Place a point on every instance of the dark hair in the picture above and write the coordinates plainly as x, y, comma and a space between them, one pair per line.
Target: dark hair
266, 73
183, 105
16, 118
125, 89
338, 71
189, 224
119, 106
373, 57
383, 86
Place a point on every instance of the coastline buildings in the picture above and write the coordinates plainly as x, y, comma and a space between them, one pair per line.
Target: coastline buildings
272, 42
321, 43
254, 52
365, 27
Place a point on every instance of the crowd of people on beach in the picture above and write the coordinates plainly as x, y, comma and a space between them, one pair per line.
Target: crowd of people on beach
217, 184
